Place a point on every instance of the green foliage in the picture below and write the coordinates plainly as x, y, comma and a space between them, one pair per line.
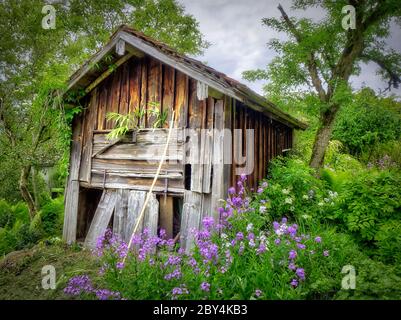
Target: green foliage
52, 215
388, 241
295, 191
367, 121
369, 199
19, 232
135, 120
7, 218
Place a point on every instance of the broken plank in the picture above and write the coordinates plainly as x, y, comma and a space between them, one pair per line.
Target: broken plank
101, 218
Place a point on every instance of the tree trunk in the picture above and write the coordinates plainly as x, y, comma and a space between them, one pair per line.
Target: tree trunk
322, 138
26, 195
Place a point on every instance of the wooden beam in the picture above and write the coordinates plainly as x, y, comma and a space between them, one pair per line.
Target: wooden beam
72, 190
108, 72
101, 218
120, 47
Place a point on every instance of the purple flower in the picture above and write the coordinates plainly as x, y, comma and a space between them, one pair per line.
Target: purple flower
260, 190
276, 225
326, 253
292, 266
243, 177
277, 241
301, 246
205, 286
284, 220
231, 190
294, 283
251, 236
258, 292
292, 255
300, 272
264, 184
120, 265
318, 239
239, 236
261, 249
208, 222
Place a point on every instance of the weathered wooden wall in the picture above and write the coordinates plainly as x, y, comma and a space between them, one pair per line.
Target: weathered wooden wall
127, 168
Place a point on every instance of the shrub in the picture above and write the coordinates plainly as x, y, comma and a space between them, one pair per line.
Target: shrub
367, 121
294, 191
7, 217
51, 216
371, 198
388, 241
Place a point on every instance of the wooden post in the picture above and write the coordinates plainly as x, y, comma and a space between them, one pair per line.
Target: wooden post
72, 190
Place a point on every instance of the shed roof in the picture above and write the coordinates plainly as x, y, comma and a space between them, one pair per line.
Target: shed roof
138, 44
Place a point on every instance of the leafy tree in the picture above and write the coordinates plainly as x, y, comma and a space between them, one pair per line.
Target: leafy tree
367, 121
35, 64
322, 56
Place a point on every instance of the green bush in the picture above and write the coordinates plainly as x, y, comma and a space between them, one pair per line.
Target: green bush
7, 217
294, 191
388, 241
371, 198
367, 121
51, 216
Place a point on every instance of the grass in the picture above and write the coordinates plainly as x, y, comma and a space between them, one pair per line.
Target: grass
21, 277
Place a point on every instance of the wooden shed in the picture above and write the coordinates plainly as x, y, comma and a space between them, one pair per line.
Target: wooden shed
221, 129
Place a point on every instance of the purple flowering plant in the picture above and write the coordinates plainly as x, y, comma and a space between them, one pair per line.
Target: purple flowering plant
237, 254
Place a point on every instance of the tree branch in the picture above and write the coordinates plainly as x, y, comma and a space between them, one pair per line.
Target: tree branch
311, 59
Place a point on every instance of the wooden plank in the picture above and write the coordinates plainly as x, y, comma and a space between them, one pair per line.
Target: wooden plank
154, 89
72, 190
134, 79
120, 47
119, 181
181, 100
101, 218
144, 88
89, 124
167, 215
151, 152
135, 166
136, 200
144, 136
218, 153
151, 216
190, 221
101, 116
228, 143
120, 213
207, 146
195, 124
168, 91
124, 94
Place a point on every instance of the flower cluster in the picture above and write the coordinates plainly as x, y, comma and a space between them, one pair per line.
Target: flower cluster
83, 285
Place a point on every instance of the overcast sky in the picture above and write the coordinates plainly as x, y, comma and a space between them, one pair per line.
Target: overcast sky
239, 39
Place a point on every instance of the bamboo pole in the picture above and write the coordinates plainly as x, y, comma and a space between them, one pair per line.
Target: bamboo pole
152, 186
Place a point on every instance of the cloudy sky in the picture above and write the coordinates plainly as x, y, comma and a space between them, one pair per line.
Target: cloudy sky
239, 39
